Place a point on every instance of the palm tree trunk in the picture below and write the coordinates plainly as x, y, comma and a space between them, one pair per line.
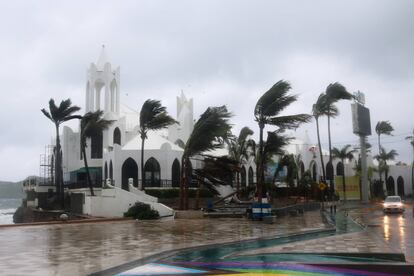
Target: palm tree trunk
329, 137
88, 175
238, 182
343, 179
379, 171
142, 163
197, 204
58, 165
186, 183
261, 162
320, 148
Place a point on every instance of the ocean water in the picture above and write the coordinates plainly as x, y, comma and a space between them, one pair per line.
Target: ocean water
7, 208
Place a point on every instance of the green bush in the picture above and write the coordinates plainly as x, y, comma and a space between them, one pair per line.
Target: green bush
141, 211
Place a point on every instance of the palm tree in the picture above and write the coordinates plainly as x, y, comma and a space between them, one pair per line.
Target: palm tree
382, 158
266, 112
411, 139
345, 153
383, 127
322, 108
334, 92
209, 133
92, 124
153, 116
58, 115
239, 149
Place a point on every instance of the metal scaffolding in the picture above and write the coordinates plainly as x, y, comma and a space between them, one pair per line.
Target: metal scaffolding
47, 166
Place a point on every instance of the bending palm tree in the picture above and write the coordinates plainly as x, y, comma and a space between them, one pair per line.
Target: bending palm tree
382, 158
382, 127
209, 133
411, 139
92, 123
266, 112
322, 108
334, 92
239, 149
153, 116
58, 115
345, 153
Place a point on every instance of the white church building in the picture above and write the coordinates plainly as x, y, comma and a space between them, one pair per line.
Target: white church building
114, 157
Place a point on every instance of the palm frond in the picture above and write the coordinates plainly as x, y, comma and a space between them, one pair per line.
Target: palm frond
384, 127
336, 91
153, 116
93, 123
274, 100
289, 122
209, 131
47, 114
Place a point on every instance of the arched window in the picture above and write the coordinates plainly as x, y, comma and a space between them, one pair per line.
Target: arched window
117, 136
97, 146
339, 169
175, 173
329, 171
390, 186
400, 186
243, 177
250, 176
129, 170
111, 172
106, 171
152, 173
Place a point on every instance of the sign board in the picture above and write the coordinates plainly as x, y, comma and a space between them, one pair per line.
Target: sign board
361, 121
352, 188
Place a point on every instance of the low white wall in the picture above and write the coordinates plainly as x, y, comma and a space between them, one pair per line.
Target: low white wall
142, 195
114, 202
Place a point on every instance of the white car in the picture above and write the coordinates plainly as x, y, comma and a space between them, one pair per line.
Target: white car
393, 204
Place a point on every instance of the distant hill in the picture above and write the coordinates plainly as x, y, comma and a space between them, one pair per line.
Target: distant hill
11, 190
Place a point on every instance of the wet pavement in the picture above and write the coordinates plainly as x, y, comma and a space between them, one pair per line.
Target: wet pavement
81, 249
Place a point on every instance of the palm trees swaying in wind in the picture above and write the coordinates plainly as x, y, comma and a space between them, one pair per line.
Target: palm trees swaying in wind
382, 127
345, 153
239, 149
209, 133
267, 112
92, 124
153, 116
382, 158
58, 115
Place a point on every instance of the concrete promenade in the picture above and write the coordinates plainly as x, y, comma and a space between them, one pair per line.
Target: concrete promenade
80, 249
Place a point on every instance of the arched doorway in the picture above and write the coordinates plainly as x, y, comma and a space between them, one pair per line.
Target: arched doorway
302, 169
400, 186
175, 173
243, 177
314, 170
329, 171
111, 171
129, 170
250, 176
390, 186
106, 171
339, 169
117, 136
97, 146
152, 173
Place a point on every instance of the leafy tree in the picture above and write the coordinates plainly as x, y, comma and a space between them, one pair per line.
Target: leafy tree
92, 124
411, 139
345, 153
267, 112
382, 159
153, 116
209, 133
58, 115
239, 149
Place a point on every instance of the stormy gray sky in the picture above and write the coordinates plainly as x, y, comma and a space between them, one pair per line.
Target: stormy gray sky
218, 52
